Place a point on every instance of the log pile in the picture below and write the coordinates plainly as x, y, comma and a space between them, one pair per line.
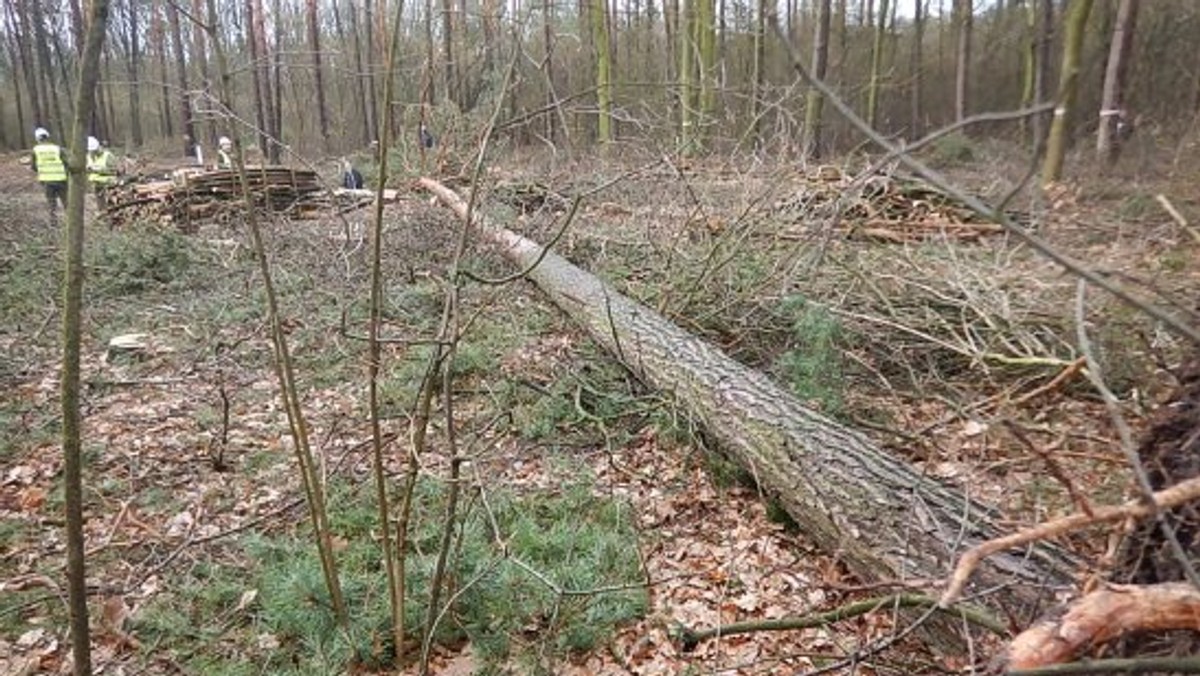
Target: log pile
188, 197
879, 207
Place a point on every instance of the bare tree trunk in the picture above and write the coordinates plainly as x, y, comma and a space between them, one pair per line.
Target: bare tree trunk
963, 22
45, 64
876, 65
883, 518
687, 76
264, 99
277, 77
603, 70
361, 81
449, 72
72, 337
1112, 113
314, 43
185, 104
760, 54
158, 35
132, 68
205, 132
916, 125
19, 21
813, 110
1041, 73
1068, 88
552, 111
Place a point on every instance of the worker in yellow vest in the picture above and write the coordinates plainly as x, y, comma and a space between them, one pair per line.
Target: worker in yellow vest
49, 161
224, 153
101, 167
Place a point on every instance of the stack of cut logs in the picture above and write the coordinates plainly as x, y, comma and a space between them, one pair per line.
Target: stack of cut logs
188, 197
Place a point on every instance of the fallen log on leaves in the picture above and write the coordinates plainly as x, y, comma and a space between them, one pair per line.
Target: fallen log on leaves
881, 516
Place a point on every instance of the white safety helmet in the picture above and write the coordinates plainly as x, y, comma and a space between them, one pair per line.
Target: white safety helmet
224, 142
41, 134
93, 144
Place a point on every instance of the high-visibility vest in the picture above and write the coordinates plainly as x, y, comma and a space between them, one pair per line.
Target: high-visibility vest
50, 167
224, 161
100, 169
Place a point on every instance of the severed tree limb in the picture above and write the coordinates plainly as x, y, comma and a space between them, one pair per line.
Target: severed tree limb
1105, 615
1127, 665
1176, 495
690, 638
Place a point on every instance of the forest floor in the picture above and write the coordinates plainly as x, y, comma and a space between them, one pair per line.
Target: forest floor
952, 345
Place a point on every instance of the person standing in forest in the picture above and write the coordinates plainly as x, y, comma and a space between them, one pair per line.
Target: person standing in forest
224, 153
50, 163
101, 167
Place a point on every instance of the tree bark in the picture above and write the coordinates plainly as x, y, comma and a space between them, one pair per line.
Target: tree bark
1112, 113
963, 22
158, 37
760, 58
885, 519
263, 99
185, 104
876, 65
813, 107
72, 334
205, 131
916, 72
603, 70
314, 43
1068, 87
450, 69
132, 68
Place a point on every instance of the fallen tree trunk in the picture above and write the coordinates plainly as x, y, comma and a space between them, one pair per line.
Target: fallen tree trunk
881, 516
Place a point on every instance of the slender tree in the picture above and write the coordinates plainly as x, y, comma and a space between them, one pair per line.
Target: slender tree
449, 67
816, 102
687, 74
1068, 88
159, 44
132, 69
876, 65
314, 44
603, 59
72, 335
1112, 114
264, 100
185, 104
759, 66
964, 16
916, 71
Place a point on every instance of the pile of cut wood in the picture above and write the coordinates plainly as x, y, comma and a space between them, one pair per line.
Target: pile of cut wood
190, 196
879, 207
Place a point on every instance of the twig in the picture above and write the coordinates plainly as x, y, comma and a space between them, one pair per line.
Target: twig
1053, 466
1145, 490
1176, 495
690, 638
1174, 213
1068, 371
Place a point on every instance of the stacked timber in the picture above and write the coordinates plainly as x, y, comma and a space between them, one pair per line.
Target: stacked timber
188, 197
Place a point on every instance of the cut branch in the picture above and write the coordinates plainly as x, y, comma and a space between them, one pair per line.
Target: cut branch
1105, 615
